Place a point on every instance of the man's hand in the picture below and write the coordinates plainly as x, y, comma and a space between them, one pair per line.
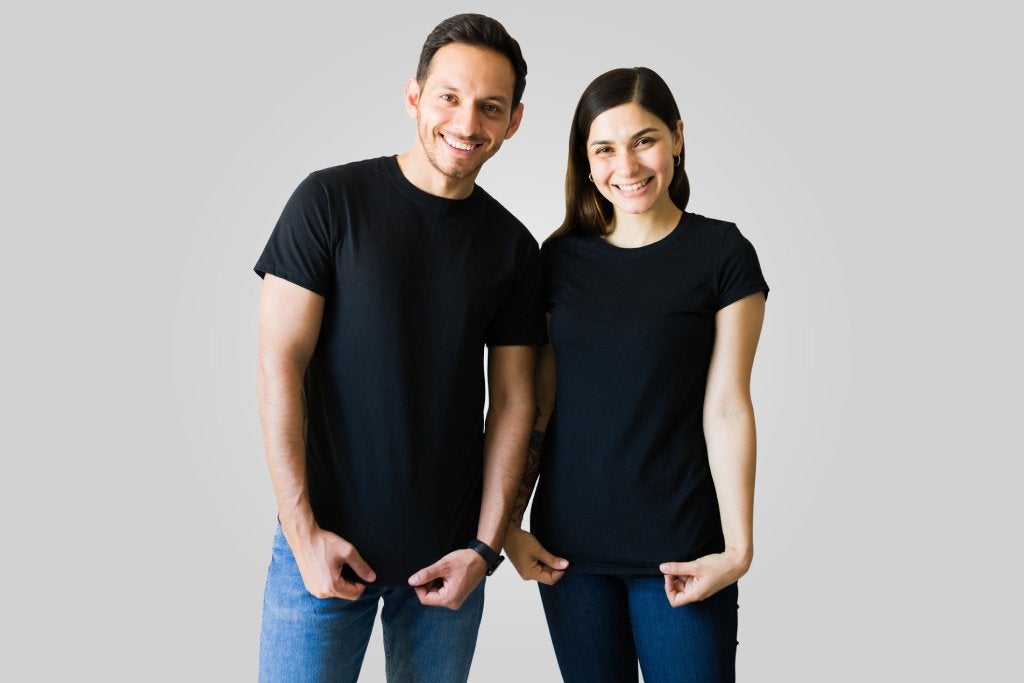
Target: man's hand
531, 559
450, 580
687, 582
321, 557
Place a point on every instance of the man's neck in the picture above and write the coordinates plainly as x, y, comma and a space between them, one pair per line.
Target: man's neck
418, 170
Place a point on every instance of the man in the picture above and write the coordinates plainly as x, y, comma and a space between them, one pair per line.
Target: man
383, 281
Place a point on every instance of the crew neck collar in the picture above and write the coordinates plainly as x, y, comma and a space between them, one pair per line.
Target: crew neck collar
673, 235
422, 197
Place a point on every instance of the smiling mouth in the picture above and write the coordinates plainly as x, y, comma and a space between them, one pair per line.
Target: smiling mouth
458, 144
634, 186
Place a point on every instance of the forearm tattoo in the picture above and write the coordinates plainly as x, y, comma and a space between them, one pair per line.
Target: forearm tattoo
533, 452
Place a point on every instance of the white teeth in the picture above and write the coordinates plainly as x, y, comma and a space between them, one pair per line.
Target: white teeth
458, 145
634, 186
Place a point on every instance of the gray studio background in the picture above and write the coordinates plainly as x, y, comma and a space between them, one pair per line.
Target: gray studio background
871, 152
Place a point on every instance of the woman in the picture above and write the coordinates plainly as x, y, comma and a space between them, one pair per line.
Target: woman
642, 523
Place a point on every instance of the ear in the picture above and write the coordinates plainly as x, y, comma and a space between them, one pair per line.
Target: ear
514, 121
412, 97
677, 138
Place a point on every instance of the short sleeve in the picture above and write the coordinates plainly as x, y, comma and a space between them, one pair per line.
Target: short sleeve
545, 265
739, 271
300, 248
520, 318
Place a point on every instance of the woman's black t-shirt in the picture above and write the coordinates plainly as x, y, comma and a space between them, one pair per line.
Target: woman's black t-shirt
625, 482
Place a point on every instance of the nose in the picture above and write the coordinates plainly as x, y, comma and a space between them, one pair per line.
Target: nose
627, 164
466, 120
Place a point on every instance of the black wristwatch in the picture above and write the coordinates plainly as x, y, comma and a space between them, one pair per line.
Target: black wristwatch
492, 558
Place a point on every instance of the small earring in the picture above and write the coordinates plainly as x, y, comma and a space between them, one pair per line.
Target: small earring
590, 176
677, 159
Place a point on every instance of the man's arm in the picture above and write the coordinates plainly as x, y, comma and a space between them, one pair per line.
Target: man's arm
510, 417
510, 414
289, 325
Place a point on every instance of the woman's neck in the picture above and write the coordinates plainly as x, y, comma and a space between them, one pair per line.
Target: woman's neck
631, 230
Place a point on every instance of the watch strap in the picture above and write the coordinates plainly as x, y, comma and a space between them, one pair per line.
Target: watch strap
491, 558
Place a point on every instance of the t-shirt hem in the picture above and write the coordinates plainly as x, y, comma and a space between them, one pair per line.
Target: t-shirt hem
532, 341
738, 294
613, 569
265, 268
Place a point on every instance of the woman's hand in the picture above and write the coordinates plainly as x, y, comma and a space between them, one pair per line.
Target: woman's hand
687, 582
530, 559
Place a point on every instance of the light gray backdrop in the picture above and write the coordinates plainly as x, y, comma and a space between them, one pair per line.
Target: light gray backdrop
871, 151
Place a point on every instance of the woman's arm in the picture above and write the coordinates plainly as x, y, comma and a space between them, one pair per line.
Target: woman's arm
732, 449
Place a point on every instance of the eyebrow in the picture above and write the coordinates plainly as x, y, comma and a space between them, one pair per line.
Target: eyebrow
645, 131
500, 99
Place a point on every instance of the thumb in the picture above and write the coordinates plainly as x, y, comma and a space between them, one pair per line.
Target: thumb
678, 568
426, 575
551, 560
360, 566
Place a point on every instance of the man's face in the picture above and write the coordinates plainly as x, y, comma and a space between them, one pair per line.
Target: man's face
463, 108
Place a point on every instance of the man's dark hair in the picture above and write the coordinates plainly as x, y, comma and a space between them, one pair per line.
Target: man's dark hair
478, 30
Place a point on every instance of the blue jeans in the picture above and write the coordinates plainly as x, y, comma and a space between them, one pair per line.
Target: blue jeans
312, 639
601, 626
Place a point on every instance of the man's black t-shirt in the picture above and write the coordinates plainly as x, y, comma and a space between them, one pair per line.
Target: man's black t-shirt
625, 482
414, 285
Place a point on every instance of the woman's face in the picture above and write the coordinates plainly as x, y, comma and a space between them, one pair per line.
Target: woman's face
631, 153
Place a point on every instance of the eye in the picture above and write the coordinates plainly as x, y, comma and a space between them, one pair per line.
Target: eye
492, 109
448, 97
644, 141
603, 150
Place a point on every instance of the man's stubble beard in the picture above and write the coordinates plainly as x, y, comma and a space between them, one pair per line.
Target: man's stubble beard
461, 171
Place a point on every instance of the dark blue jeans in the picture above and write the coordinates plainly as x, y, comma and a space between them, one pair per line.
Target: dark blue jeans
601, 626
